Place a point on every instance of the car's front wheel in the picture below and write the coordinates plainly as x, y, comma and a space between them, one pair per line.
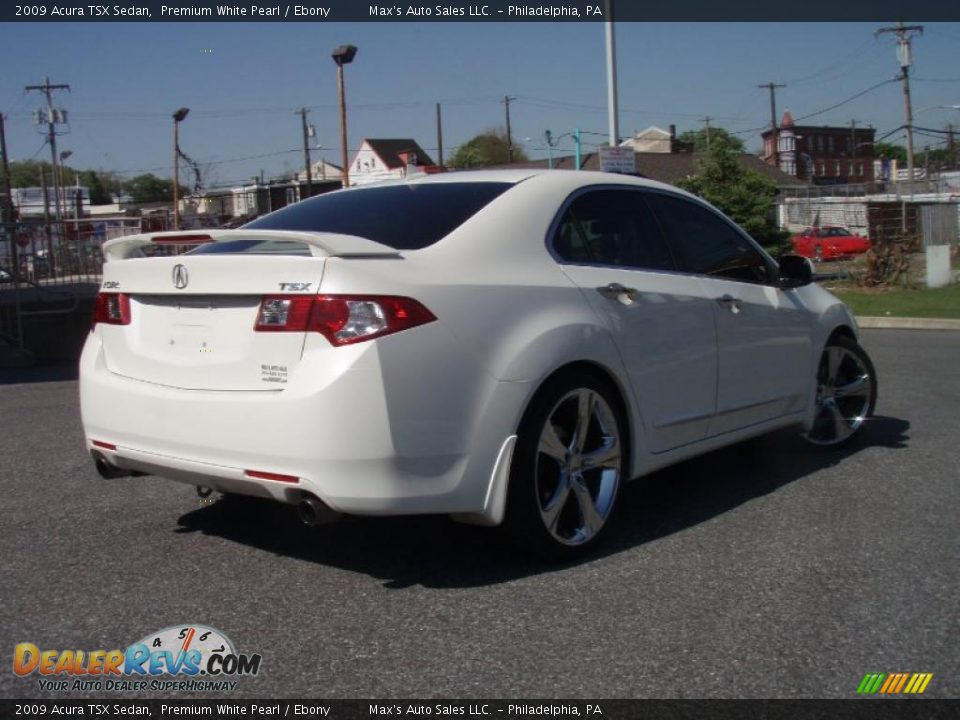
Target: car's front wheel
569, 464
846, 393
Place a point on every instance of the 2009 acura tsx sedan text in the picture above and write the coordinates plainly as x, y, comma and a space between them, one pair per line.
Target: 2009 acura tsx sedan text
506, 347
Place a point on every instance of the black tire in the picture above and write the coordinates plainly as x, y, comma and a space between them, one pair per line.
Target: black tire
846, 393
564, 482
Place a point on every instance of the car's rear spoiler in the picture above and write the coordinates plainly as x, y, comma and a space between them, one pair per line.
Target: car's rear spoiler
320, 244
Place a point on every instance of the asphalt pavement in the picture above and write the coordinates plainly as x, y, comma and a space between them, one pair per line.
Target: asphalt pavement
768, 569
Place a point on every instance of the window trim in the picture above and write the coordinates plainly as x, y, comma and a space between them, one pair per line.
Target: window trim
675, 255
772, 268
572, 197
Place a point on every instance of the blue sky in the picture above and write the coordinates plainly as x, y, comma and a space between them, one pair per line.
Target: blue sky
243, 82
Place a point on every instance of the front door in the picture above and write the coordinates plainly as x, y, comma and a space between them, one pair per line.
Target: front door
662, 322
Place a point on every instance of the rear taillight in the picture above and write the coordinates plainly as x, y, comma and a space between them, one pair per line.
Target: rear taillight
284, 313
341, 319
111, 309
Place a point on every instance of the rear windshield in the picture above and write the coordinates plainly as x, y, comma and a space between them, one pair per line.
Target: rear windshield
404, 217
253, 247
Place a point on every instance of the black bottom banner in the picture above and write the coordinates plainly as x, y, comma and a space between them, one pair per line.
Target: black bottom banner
859, 709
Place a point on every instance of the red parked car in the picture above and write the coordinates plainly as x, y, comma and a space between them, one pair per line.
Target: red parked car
829, 243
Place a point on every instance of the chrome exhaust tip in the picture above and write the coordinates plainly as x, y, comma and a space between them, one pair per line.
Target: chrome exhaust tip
106, 470
312, 512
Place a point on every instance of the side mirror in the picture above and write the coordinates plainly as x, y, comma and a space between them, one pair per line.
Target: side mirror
795, 271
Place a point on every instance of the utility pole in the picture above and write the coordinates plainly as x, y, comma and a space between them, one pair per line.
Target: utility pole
706, 127
53, 117
853, 150
302, 112
904, 56
439, 138
506, 102
951, 149
8, 211
46, 219
772, 87
9, 214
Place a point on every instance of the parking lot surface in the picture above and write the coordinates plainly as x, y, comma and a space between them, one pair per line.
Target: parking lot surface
767, 569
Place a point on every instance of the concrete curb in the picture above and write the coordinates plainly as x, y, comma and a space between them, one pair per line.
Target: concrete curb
901, 323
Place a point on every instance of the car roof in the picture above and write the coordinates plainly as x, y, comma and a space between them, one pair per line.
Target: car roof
514, 176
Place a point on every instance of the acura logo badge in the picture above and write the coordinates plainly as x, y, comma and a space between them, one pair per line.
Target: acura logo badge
180, 277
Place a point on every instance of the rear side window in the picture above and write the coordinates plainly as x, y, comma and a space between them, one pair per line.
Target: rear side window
611, 227
708, 244
404, 217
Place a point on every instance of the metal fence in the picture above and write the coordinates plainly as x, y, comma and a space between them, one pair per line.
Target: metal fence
48, 268
919, 214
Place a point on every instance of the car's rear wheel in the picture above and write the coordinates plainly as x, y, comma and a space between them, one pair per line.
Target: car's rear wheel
846, 393
568, 467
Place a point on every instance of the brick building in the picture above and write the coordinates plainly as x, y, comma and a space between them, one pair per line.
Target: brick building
821, 155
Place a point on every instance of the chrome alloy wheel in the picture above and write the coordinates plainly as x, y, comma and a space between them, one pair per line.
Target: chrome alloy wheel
846, 390
578, 466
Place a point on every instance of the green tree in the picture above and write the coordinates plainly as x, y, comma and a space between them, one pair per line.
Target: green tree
486, 149
936, 159
890, 152
26, 173
91, 180
699, 139
744, 195
149, 188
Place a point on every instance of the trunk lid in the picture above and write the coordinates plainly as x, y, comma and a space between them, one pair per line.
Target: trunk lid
192, 316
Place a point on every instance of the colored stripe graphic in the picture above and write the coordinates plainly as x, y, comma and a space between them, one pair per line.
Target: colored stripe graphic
891, 682
903, 679
894, 683
870, 683
918, 683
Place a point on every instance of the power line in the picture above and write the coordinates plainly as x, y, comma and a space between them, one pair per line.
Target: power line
212, 162
545, 102
858, 53
849, 99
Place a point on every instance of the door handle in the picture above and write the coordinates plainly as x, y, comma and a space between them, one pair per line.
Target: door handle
615, 290
730, 303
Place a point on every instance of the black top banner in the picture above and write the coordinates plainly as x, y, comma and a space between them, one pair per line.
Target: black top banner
482, 11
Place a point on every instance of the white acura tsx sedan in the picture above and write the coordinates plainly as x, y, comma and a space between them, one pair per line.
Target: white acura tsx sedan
506, 347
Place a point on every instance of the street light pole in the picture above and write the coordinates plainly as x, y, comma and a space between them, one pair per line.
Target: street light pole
612, 108
343, 55
178, 117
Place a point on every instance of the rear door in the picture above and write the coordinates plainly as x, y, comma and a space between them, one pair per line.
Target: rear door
609, 245
763, 332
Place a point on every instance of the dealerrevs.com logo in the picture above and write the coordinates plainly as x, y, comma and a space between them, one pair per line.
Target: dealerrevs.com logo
186, 658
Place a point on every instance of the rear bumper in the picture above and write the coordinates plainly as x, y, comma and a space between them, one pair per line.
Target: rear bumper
382, 434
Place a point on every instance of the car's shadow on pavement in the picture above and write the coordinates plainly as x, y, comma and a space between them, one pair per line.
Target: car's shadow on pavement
437, 552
